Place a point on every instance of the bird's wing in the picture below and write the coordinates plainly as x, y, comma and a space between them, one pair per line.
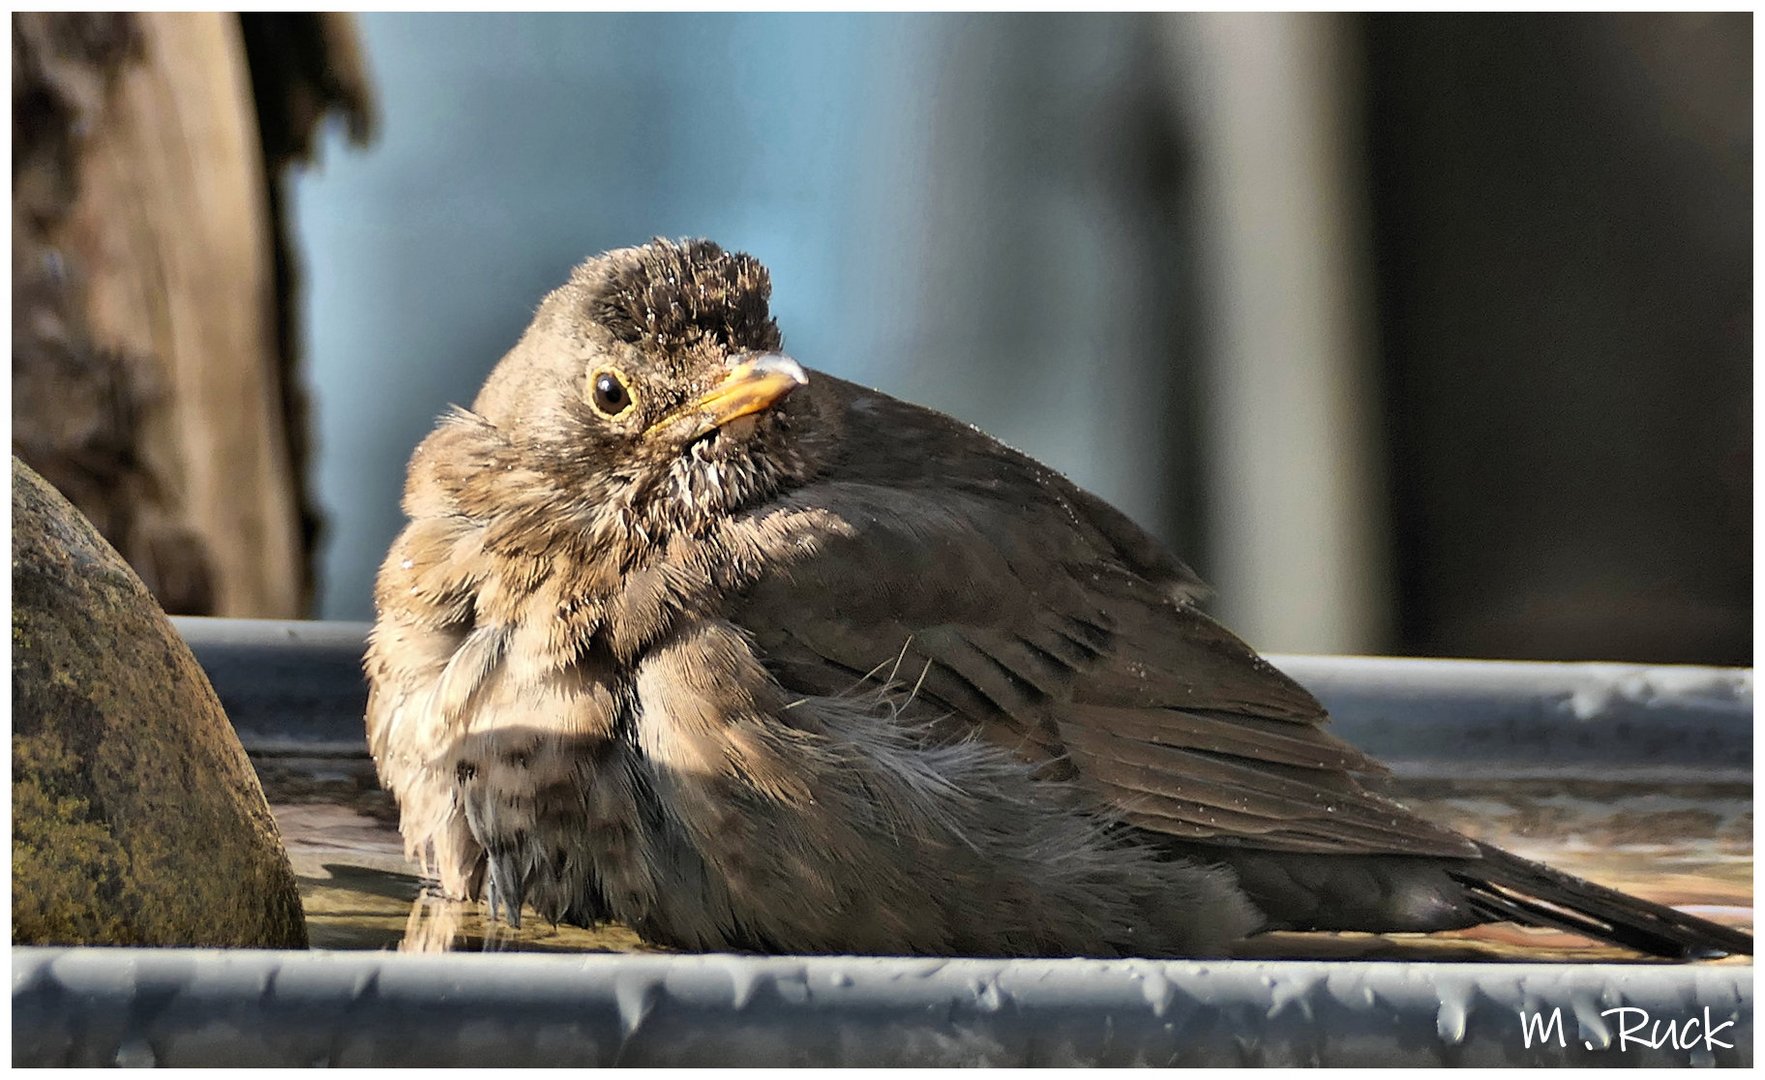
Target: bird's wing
997, 592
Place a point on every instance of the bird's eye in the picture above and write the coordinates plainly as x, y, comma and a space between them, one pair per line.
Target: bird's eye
608, 393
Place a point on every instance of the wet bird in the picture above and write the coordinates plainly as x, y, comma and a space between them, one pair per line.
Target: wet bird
748, 657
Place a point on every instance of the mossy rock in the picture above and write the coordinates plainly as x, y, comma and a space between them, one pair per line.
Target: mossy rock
136, 817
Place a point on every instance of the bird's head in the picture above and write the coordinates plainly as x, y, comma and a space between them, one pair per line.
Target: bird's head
652, 384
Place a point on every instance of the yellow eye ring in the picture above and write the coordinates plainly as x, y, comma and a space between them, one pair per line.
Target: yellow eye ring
609, 393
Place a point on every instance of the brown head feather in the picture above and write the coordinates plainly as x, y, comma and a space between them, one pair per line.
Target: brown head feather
672, 295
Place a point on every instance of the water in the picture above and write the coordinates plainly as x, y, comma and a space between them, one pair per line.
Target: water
1687, 844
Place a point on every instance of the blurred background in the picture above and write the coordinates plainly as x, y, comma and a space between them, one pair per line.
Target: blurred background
1413, 334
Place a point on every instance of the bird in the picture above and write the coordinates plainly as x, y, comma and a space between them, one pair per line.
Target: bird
684, 635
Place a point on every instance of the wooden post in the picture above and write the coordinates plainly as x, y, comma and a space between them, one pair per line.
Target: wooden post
149, 366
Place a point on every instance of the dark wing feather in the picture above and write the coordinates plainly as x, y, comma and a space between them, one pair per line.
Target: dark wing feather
1020, 607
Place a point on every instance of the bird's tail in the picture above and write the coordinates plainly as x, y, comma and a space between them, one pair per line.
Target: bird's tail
1504, 886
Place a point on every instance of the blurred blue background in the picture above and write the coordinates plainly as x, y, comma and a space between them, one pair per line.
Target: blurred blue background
911, 235
427, 255
1412, 334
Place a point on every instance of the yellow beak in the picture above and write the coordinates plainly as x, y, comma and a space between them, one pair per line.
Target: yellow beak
751, 386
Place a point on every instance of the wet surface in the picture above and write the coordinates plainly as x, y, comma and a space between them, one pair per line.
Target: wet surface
359, 890
1689, 845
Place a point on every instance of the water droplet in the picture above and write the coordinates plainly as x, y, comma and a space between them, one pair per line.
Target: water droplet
135, 1053
1449, 1022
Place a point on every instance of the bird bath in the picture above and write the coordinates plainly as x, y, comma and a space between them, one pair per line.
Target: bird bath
1687, 843
1639, 778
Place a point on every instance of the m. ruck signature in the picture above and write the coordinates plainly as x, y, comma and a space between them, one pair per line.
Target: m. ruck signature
1635, 1028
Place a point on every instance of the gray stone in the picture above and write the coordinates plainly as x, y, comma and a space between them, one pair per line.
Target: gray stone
137, 818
